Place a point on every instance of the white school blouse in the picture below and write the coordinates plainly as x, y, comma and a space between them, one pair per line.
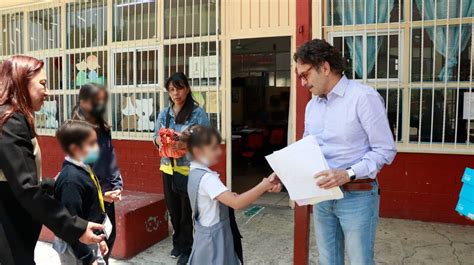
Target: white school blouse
209, 188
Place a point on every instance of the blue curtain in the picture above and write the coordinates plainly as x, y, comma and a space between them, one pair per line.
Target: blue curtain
364, 12
448, 39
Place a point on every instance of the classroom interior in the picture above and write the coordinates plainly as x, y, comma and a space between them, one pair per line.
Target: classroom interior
260, 106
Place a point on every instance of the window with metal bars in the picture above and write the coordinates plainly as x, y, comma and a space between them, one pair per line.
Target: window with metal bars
199, 61
190, 18
12, 26
86, 24
134, 112
419, 61
118, 46
43, 29
361, 50
192, 46
134, 20
135, 67
51, 115
135, 70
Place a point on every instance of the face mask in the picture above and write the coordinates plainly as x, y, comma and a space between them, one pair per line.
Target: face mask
98, 110
92, 156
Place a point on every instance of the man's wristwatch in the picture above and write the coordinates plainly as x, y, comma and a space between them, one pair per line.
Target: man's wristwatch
351, 173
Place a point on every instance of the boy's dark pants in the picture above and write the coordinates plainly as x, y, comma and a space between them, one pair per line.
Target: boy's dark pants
180, 211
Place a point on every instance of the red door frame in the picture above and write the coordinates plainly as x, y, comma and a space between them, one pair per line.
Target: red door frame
302, 214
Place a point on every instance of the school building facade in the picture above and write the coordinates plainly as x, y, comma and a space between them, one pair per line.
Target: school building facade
417, 54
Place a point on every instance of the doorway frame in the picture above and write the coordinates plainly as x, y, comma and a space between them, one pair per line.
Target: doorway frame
228, 98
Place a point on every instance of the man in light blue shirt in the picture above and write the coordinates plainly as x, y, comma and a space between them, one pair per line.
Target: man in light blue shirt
350, 123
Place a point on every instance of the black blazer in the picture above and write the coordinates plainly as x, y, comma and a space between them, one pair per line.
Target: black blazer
24, 205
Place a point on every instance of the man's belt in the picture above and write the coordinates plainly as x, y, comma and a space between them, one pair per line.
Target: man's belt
359, 185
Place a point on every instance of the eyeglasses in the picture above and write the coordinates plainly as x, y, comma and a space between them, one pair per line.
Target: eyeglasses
303, 75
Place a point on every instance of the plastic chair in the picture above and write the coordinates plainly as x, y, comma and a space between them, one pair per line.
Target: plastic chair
277, 137
254, 142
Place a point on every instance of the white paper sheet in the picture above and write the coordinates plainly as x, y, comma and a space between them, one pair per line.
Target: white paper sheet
296, 166
107, 227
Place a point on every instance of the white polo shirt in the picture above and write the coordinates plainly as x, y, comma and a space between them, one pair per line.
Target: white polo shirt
209, 188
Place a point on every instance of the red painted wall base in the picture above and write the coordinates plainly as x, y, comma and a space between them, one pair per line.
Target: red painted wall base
139, 163
423, 187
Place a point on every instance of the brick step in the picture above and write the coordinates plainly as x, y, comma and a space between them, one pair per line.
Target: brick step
141, 223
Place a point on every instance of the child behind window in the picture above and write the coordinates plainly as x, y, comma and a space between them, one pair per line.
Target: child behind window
77, 187
216, 238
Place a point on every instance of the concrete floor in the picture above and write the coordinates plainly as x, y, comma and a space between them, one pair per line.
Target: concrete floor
268, 239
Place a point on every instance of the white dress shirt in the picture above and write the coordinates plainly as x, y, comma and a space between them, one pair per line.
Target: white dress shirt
352, 128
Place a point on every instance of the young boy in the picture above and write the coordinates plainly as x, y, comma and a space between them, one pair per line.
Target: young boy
216, 236
78, 188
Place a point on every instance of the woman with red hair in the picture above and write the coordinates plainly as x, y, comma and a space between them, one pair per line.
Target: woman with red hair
24, 201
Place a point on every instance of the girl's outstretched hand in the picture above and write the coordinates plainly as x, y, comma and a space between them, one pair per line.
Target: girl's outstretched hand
276, 188
266, 183
276, 183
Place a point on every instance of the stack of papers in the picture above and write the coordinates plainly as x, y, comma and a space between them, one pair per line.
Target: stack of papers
296, 165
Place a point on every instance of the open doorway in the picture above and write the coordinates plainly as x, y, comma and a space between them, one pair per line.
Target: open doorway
261, 80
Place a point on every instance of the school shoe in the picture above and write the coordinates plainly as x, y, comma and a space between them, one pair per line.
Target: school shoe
183, 259
175, 253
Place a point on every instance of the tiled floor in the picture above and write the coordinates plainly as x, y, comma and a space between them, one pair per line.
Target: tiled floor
274, 199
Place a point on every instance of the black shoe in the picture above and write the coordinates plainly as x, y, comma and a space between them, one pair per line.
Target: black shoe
183, 259
175, 253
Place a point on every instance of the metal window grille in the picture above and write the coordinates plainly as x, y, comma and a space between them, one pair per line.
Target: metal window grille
192, 46
43, 29
402, 48
12, 26
130, 46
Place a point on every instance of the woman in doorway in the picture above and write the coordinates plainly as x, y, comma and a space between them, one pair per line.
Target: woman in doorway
183, 113
25, 203
91, 107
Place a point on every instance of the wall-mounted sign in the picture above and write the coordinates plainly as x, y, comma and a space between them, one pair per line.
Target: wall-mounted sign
203, 66
468, 109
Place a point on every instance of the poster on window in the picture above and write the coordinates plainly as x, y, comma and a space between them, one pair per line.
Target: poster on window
46, 117
136, 114
211, 106
203, 66
468, 109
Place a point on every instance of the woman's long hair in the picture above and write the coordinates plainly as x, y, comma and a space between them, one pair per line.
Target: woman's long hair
87, 92
180, 81
16, 73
